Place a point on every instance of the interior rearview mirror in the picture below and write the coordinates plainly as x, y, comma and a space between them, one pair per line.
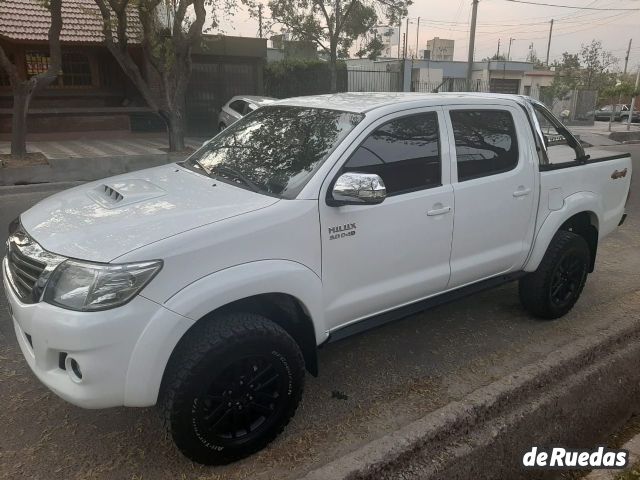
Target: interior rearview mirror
355, 188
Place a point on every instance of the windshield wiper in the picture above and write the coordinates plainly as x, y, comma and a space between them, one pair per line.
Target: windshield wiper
236, 175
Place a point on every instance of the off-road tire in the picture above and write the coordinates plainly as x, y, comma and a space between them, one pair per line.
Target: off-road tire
536, 289
202, 357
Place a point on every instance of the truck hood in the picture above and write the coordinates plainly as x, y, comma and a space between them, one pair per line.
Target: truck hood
100, 221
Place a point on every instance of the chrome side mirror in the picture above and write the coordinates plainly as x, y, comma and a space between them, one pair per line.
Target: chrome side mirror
355, 188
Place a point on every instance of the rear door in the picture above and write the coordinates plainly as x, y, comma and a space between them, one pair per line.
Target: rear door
495, 186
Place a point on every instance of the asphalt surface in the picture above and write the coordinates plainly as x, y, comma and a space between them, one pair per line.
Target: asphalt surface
369, 385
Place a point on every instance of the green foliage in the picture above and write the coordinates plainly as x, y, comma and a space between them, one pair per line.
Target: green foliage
291, 78
334, 25
623, 89
500, 58
589, 69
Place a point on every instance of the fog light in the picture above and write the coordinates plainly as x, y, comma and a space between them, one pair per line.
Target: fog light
73, 369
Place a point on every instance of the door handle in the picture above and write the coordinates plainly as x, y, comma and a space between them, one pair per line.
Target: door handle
521, 192
438, 211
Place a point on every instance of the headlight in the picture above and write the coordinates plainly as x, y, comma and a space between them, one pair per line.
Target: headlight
85, 286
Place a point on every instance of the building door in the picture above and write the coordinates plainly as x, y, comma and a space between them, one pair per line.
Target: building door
504, 85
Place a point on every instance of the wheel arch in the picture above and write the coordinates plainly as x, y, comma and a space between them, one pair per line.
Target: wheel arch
580, 215
286, 287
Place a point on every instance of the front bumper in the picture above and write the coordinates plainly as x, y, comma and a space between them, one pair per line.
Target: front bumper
103, 344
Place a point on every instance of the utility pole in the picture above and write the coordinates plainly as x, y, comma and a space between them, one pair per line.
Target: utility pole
472, 41
260, 20
404, 43
406, 39
509, 52
549, 43
399, 30
626, 59
417, 36
633, 100
498, 52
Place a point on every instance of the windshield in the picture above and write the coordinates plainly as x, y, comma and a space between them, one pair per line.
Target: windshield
274, 150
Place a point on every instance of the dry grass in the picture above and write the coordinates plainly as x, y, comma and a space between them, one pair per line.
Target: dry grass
32, 158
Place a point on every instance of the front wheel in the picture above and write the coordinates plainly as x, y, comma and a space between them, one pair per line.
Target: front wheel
231, 388
554, 288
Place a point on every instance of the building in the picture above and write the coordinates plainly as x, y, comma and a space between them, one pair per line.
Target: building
285, 48
390, 38
92, 93
439, 49
421, 75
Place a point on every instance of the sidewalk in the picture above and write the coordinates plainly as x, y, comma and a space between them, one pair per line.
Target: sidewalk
598, 133
86, 157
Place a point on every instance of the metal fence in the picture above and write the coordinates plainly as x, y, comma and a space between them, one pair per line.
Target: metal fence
576, 107
450, 85
373, 81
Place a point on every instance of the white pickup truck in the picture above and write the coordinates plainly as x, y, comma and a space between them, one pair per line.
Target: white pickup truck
206, 286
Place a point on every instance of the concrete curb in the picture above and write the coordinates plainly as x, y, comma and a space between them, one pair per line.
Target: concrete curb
629, 136
574, 397
82, 169
633, 447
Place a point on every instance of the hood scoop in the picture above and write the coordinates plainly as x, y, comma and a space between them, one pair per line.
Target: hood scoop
118, 194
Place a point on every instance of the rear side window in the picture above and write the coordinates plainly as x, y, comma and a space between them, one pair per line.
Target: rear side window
486, 142
239, 106
405, 153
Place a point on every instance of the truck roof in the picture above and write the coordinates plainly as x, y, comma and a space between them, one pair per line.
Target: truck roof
361, 102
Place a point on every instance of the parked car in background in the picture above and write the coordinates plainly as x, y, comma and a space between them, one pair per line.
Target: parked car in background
238, 107
624, 114
604, 112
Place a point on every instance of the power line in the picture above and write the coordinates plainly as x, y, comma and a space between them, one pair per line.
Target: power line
576, 8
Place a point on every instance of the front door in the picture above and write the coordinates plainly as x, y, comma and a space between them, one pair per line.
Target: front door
377, 257
495, 192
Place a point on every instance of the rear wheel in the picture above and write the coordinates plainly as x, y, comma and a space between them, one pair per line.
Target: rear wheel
231, 388
554, 288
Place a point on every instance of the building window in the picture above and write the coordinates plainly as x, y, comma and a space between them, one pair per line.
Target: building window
37, 63
76, 70
4, 79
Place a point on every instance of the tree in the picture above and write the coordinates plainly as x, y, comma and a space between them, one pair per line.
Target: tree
334, 25
597, 64
590, 69
500, 58
167, 49
24, 89
532, 57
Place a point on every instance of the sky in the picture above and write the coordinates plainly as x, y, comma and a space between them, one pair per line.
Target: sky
503, 20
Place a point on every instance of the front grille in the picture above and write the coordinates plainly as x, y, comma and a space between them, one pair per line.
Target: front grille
28, 265
25, 272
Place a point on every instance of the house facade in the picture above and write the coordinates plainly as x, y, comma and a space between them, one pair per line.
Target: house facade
92, 93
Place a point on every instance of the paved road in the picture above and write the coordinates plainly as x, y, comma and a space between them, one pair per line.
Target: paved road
389, 377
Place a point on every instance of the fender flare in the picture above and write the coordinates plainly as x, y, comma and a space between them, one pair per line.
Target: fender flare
206, 295
573, 204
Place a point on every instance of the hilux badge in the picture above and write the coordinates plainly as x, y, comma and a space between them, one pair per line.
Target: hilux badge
342, 231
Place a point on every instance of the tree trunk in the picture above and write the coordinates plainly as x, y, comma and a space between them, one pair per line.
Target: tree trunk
176, 126
333, 71
21, 100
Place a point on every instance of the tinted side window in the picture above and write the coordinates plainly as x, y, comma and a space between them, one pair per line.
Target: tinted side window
238, 106
486, 142
405, 153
